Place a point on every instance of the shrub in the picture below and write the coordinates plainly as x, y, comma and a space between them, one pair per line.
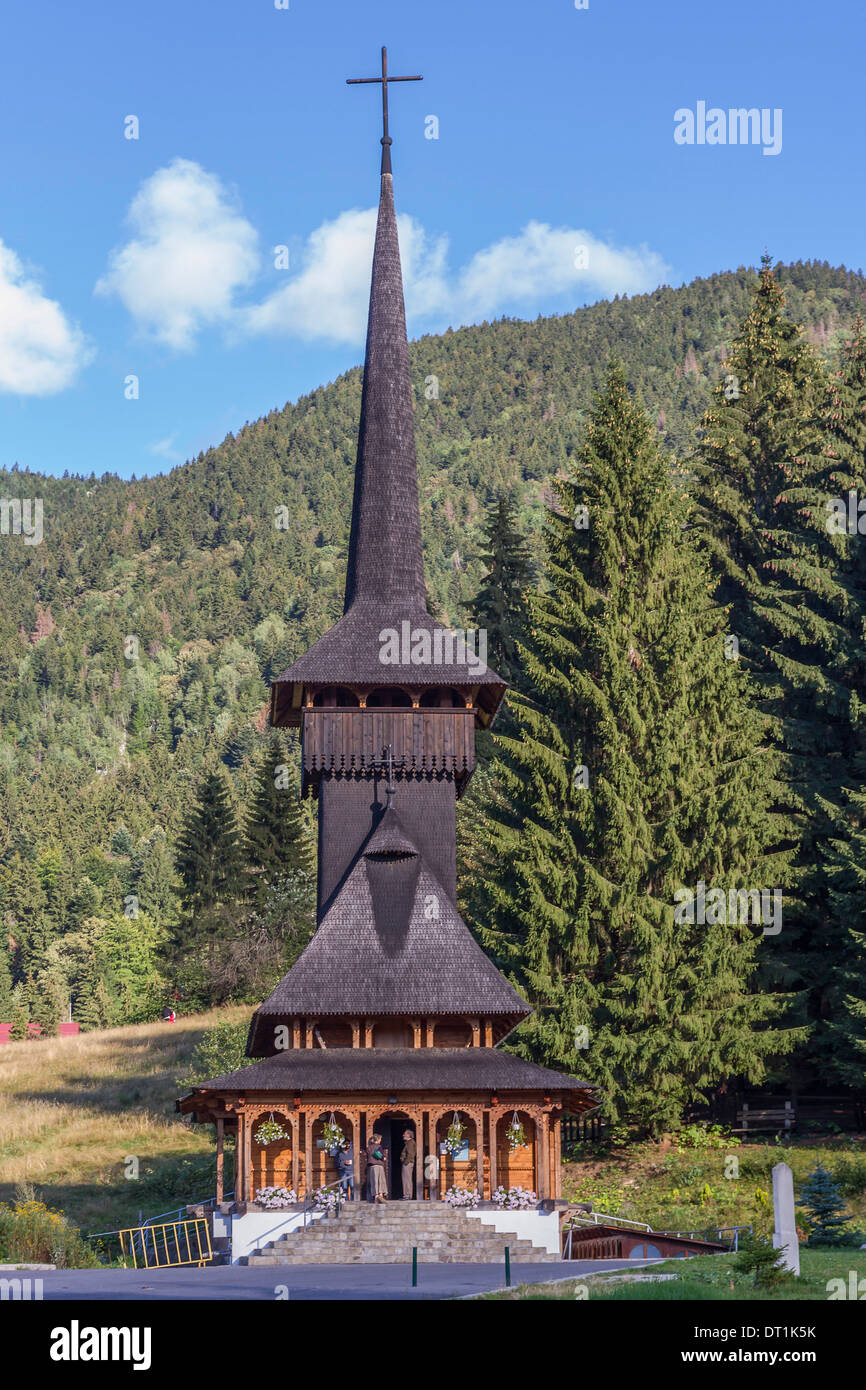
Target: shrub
32, 1233
757, 1255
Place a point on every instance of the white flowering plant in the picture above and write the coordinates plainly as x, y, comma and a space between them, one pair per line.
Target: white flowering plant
514, 1135
515, 1198
463, 1197
326, 1199
269, 1132
274, 1198
454, 1139
332, 1134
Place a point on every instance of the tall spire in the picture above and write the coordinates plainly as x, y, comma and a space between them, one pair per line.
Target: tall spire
385, 562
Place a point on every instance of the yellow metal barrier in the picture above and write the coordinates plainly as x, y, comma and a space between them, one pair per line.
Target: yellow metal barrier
152, 1247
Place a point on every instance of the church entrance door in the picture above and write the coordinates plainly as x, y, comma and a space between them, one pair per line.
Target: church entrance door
392, 1127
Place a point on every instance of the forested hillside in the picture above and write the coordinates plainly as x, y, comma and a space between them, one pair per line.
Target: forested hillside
137, 641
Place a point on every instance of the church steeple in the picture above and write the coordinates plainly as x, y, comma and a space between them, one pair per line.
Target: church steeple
385, 559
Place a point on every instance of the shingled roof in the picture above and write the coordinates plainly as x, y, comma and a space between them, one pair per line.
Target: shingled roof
397, 1070
385, 575
391, 943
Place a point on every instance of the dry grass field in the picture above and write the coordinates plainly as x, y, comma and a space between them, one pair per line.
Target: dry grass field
74, 1111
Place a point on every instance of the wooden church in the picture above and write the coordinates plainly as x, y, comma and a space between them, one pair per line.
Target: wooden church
392, 1018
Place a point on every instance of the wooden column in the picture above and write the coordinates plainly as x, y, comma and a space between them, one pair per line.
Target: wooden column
434, 1184
220, 1132
308, 1153
296, 1152
428, 1029
356, 1156
356, 1032
493, 1122
296, 1034
368, 1033
475, 1025
488, 1033
362, 1139
308, 1039
479, 1149
556, 1188
541, 1161
248, 1158
419, 1157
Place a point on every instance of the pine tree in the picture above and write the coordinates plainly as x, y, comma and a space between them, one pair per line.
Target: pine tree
638, 771
277, 842
841, 1041
6, 996
500, 606
762, 471
827, 1213
210, 866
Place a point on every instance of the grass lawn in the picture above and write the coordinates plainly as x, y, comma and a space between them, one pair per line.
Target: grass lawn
705, 1278
700, 1180
73, 1111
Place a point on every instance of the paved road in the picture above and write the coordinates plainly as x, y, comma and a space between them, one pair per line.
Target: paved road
343, 1282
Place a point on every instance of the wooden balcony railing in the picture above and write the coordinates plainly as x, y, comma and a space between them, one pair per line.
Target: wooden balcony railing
421, 740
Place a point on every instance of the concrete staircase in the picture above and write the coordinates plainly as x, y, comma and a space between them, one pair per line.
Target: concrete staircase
367, 1234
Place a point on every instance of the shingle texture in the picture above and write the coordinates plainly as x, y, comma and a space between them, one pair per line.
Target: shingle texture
398, 1070
392, 942
385, 575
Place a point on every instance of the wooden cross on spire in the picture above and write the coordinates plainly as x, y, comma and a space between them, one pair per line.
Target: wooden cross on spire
384, 79
388, 761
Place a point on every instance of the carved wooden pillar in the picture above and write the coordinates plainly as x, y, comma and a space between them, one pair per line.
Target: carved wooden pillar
220, 1131
479, 1150
356, 1032
556, 1157
248, 1162
362, 1139
493, 1123
416, 1031
368, 1032
308, 1039
419, 1156
434, 1184
296, 1151
475, 1025
428, 1028
488, 1032
308, 1153
541, 1130
296, 1034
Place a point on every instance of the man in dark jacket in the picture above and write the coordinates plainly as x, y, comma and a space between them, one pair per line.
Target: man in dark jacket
407, 1165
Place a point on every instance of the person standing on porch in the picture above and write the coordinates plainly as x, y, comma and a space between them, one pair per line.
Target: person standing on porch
346, 1170
407, 1165
376, 1156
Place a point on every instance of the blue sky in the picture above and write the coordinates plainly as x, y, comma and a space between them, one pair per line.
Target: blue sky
555, 180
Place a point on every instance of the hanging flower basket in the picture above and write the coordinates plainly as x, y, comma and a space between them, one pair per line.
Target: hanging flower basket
332, 1134
514, 1134
269, 1132
454, 1139
275, 1198
463, 1197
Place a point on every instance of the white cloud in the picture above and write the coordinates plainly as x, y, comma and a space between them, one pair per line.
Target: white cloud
540, 266
164, 448
191, 252
41, 352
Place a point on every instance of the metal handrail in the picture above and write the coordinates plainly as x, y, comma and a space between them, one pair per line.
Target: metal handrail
706, 1231
600, 1218
145, 1226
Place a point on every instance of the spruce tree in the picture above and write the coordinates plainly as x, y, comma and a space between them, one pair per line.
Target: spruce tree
7, 1002
209, 865
825, 1208
762, 472
638, 770
277, 843
841, 1040
500, 606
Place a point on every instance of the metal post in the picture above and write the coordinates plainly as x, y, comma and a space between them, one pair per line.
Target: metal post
507, 1267
414, 1266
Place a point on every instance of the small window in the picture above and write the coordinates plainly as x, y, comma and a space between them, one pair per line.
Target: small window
389, 697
